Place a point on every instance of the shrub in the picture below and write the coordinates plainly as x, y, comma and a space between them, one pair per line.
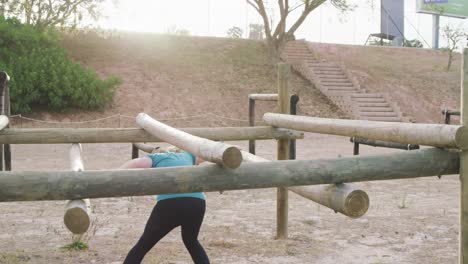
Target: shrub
42, 73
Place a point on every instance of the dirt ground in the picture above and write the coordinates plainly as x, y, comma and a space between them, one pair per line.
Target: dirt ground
188, 82
409, 221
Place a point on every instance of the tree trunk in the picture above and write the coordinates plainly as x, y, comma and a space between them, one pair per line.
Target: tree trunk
450, 59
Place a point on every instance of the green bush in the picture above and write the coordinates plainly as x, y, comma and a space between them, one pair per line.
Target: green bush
42, 73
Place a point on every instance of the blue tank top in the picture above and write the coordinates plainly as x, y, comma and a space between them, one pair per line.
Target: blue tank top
170, 159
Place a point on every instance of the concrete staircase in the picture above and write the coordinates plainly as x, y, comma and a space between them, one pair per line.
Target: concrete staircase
333, 80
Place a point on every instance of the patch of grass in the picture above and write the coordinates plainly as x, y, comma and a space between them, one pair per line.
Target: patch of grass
403, 204
76, 245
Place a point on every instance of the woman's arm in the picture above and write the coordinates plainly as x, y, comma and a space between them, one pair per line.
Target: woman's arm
198, 160
143, 162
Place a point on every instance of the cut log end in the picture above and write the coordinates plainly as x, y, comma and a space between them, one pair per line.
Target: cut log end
232, 157
356, 204
461, 138
76, 217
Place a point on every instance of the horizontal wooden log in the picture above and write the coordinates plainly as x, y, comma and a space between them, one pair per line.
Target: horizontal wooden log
220, 153
145, 147
436, 135
383, 144
343, 198
3, 121
63, 185
264, 97
125, 135
76, 217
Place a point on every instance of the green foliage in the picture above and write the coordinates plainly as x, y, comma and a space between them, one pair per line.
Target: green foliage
413, 43
76, 245
43, 75
57, 13
234, 32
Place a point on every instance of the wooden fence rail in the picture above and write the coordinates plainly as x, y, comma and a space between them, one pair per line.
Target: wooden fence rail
68, 185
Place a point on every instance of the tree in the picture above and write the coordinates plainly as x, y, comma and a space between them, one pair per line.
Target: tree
277, 36
52, 13
454, 36
255, 31
234, 32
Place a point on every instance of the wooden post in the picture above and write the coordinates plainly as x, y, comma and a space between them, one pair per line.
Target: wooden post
77, 212
464, 164
284, 72
220, 153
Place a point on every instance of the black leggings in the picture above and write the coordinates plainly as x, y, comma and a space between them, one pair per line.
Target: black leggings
168, 214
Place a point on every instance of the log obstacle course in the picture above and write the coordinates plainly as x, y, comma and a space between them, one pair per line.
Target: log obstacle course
449, 157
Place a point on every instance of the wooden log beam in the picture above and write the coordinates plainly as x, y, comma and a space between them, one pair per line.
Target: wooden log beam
436, 135
264, 97
67, 185
220, 153
343, 198
145, 147
76, 217
3, 121
125, 135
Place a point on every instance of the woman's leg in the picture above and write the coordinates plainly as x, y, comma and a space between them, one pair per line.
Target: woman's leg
195, 209
159, 224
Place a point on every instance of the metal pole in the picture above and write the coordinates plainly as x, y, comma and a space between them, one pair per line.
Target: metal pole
252, 123
3, 86
435, 31
356, 148
292, 147
7, 147
134, 152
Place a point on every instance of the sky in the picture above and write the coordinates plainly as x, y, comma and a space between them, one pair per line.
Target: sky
214, 17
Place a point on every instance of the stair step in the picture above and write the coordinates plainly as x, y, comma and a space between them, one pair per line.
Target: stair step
379, 114
347, 89
383, 119
335, 76
324, 64
375, 109
363, 105
330, 80
370, 100
337, 84
325, 77
322, 72
367, 95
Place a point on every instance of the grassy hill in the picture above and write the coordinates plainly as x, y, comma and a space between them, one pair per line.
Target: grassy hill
204, 81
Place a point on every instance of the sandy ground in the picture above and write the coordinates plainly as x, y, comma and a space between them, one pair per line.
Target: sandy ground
409, 221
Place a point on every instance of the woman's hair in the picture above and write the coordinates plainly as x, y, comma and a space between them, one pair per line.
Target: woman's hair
168, 149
